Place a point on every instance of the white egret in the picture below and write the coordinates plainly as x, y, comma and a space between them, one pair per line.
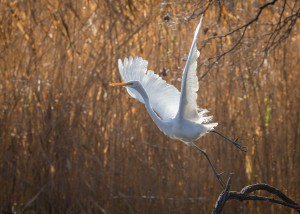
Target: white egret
176, 114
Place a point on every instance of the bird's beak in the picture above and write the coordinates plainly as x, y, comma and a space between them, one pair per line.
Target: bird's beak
121, 84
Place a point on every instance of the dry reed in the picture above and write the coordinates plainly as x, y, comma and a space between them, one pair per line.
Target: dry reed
69, 143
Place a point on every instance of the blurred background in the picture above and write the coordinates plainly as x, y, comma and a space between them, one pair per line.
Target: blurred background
70, 143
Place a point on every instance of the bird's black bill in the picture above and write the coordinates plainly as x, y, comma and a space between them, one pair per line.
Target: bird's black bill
218, 175
234, 142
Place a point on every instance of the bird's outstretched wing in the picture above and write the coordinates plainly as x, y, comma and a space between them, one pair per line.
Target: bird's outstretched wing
164, 98
189, 86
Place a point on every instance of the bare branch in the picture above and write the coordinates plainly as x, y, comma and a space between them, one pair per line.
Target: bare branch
283, 29
243, 27
244, 195
246, 25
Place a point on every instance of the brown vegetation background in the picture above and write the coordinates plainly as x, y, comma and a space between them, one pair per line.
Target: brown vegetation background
69, 143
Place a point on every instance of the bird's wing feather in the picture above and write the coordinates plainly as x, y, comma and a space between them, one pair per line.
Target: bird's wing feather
164, 98
189, 85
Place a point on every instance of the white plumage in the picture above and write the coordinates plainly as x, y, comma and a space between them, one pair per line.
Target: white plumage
175, 113
163, 97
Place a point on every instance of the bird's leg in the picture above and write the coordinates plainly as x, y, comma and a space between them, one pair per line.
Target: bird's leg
218, 175
235, 143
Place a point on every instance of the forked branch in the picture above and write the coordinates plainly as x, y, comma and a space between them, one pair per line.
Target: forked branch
246, 194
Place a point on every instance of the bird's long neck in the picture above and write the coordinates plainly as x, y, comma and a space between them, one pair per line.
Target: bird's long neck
149, 108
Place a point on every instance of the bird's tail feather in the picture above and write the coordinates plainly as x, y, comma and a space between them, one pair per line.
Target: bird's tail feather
210, 126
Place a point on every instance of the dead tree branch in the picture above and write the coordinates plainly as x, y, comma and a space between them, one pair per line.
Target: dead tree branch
246, 194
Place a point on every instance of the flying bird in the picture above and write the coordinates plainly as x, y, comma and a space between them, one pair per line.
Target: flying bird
175, 113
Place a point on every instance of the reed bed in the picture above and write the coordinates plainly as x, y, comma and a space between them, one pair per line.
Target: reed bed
70, 143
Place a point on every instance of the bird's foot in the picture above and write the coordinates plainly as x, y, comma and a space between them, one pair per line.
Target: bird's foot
234, 142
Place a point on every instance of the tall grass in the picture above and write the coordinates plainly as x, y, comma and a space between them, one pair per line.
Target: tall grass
69, 143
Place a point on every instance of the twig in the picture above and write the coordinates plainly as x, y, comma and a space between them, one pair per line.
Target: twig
246, 25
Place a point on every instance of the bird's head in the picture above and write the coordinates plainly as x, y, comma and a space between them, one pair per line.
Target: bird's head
130, 84
134, 88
